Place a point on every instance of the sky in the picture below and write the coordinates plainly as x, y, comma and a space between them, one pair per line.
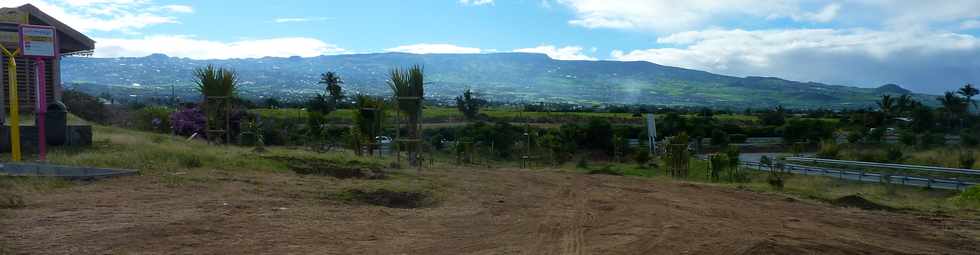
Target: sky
925, 46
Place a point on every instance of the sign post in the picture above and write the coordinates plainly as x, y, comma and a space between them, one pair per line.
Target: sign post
14, 112
40, 43
652, 133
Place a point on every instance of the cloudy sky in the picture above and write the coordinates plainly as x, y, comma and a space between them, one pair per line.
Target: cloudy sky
927, 46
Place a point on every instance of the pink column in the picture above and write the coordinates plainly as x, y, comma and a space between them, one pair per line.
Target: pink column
41, 109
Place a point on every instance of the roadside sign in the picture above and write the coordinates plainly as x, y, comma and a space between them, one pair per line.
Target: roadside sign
38, 41
652, 132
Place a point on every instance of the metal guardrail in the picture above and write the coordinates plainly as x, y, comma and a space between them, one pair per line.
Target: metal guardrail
951, 184
884, 165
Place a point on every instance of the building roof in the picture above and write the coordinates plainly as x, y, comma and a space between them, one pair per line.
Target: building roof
69, 39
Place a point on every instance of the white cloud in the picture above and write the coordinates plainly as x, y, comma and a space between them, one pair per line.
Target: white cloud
670, 15
970, 24
563, 53
920, 59
307, 19
476, 2
178, 8
190, 47
674, 16
426, 48
827, 14
106, 15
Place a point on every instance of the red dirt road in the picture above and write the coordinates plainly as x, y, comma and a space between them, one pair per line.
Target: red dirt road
483, 212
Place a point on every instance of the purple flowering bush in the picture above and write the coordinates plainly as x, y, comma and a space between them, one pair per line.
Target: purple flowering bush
189, 120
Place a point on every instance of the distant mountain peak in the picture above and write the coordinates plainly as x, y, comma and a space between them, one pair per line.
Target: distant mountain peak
892, 89
158, 56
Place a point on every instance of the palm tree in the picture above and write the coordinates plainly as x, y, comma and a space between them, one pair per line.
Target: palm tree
408, 88
216, 82
887, 105
332, 82
953, 106
969, 91
221, 84
904, 104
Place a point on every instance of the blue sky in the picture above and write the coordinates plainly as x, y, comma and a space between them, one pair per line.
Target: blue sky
927, 46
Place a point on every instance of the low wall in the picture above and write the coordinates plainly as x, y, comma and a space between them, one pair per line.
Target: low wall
76, 135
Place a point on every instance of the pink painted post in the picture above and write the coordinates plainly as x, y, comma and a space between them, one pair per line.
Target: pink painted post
41, 109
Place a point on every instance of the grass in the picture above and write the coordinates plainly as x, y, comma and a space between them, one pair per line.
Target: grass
817, 188
175, 162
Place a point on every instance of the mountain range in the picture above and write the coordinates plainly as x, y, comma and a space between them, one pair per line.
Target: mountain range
500, 77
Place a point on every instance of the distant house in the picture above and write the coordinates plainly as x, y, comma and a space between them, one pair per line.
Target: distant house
69, 42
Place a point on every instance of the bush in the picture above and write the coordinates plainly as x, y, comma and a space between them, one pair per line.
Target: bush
894, 155
719, 137
190, 161
967, 159
188, 120
642, 157
969, 196
738, 138
907, 138
855, 137
583, 163
877, 135
929, 140
11, 201
828, 150
85, 106
154, 119
969, 138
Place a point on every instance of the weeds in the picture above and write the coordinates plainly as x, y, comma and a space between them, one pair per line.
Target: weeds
11, 201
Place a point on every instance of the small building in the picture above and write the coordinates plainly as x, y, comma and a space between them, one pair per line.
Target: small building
69, 42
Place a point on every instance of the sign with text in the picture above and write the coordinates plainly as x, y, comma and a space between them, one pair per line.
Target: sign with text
38, 41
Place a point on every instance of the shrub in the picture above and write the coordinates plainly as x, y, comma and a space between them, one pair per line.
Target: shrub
877, 135
855, 137
967, 159
929, 140
828, 150
154, 119
190, 161
188, 120
642, 157
718, 163
738, 138
11, 201
583, 163
970, 196
719, 137
907, 138
894, 154
85, 106
969, 138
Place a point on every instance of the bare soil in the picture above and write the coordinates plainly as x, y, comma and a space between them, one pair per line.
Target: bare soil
501, 211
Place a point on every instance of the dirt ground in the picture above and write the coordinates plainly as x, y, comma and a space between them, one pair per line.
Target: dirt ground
497, 211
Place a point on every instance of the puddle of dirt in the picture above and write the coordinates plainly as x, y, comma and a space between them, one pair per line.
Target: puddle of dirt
341, 170
857, 201
392, 199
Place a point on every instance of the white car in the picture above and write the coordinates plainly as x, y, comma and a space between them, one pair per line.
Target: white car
382, 139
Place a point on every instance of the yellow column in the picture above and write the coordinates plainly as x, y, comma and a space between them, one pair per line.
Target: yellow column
14, 104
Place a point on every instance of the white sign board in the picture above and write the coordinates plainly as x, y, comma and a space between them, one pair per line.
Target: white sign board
652, 132
38, 41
